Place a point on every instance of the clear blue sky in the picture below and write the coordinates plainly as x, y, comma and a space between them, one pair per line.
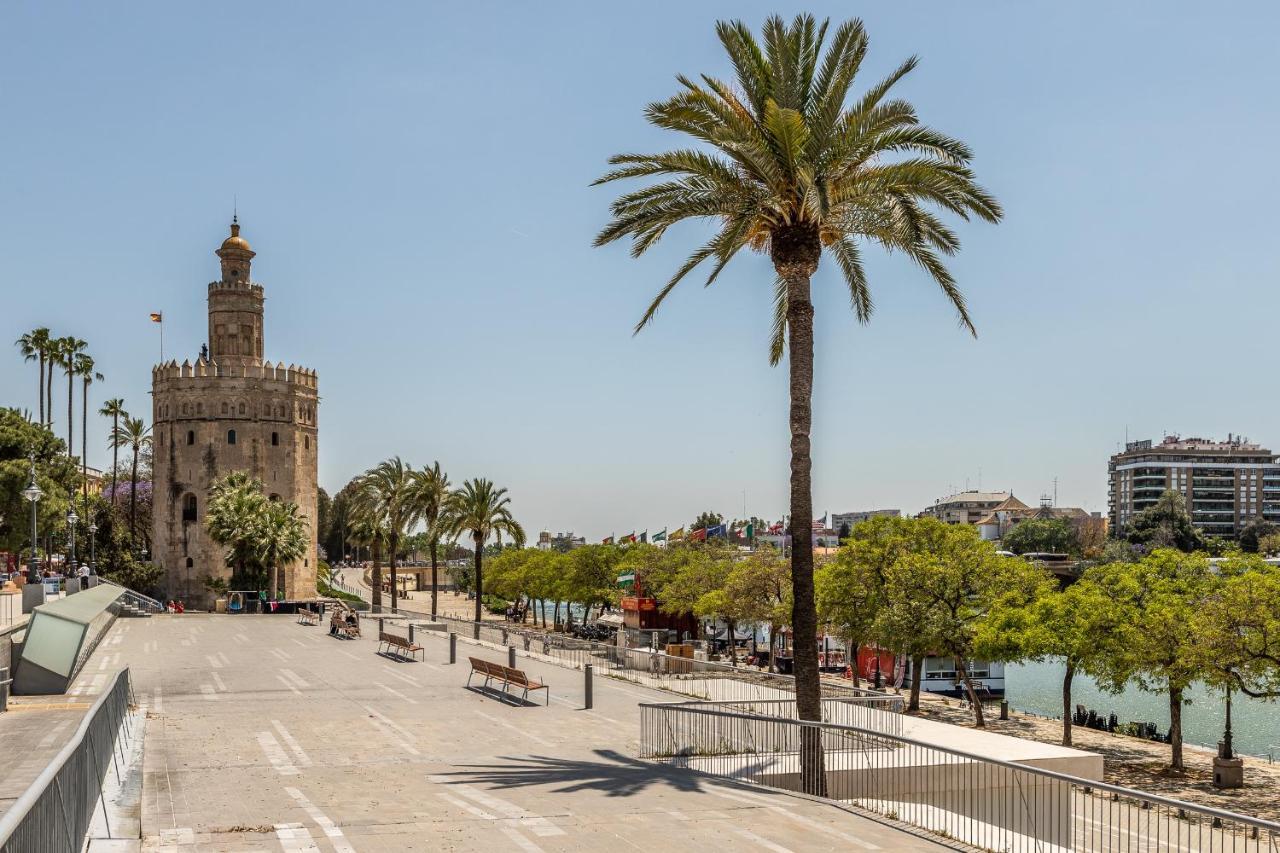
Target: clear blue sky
414, 178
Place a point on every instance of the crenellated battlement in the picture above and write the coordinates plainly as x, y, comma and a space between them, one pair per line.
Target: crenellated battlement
293, 374
251, 287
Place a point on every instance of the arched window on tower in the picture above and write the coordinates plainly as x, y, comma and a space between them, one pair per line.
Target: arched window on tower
231, 436
189, 508
306, 442
275, 439
191, 436
224, 408
190, 563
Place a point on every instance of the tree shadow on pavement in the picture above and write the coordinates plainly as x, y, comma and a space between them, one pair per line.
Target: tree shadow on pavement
615, 775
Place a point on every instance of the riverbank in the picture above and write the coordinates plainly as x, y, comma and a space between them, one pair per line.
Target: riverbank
1133, 762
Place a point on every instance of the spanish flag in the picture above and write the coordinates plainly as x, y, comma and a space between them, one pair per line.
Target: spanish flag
157, 317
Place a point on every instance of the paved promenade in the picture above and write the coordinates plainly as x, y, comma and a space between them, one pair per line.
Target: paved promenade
263, 734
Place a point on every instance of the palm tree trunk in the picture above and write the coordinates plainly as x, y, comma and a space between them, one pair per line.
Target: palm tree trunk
48, 390
71, 420
133, 505
479, 581
84, 442
392, 542
40, 388
795, 252
433, 579
115, 457
274, 583
375, 576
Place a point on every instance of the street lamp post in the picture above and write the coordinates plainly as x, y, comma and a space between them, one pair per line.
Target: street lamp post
93, 550
33, 493
72, 518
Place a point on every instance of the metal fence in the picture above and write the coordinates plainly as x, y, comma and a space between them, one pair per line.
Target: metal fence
699, 679
135, 599
982, 802
54, 813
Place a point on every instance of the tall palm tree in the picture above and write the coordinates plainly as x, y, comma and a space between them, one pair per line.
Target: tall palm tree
367, 526
235, 510
114, 409
786, 164
135, 435
69, 351
34, 346
390, 485
84, 368
431, 491
483, 511
280, 537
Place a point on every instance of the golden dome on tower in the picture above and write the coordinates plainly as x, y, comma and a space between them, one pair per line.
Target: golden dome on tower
235, 244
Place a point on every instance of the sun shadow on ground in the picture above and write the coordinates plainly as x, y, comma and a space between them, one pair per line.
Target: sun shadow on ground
505, 698
614, 775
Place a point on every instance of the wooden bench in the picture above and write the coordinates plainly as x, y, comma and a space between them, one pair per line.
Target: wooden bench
400, 644
508, 676
308, 617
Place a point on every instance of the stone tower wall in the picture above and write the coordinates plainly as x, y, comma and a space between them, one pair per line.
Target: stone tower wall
272, 411
235, 323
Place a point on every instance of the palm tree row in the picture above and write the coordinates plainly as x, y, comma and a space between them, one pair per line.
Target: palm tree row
786, 163
392, 498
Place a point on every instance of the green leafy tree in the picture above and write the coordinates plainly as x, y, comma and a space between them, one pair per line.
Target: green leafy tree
790, 164
1239, 624
1042, 535
758, 591
483, 511
706, 519
1085, 626
56, 475
1162, 648
850, 590
592, 575
1254, 531
1166, 524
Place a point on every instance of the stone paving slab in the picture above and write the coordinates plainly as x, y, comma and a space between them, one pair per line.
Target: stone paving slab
264, 734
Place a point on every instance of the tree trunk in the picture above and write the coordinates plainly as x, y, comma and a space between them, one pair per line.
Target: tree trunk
115, 458
274, 582
40, 388
434, 586
479, 581
48, 387
917, 674
1175, 728
392, 542
979, 719
1066, 702
375, 576
133, 505
71, 419
795, 251
733, 646
84, 444
853, 664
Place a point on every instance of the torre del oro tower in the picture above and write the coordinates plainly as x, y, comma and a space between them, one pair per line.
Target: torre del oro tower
230, 410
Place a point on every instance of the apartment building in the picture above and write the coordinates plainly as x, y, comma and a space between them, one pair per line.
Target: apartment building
1225, 483
967, 507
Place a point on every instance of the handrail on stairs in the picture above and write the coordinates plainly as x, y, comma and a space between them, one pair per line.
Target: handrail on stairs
135, 598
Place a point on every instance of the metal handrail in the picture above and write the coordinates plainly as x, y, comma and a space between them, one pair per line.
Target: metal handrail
136, 598
1119, 790
114, 701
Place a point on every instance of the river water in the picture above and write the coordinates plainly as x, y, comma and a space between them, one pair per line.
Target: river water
1255, 724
